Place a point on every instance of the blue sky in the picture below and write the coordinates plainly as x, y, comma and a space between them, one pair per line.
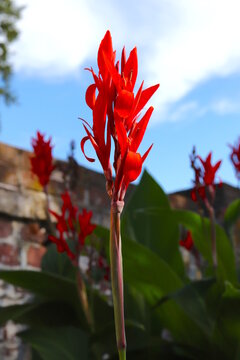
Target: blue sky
191, 47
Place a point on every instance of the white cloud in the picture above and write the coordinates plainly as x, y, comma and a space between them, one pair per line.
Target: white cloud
58, 35
183, 111
180, 43
193, 110
226, 106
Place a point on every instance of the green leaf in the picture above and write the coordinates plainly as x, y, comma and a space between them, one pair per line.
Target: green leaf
227, 331
144, 268
191, 298
57, 263
48, 285
40, 313
232, 213
231, 291
153, 278
66, 343
200, 228
158, 231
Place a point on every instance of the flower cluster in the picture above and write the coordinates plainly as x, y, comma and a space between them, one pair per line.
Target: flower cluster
235, 158
205, 174
115, 111
187, 242
42, 161
71, 225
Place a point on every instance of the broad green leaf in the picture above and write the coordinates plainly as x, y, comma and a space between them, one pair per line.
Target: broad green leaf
157, 231
144, 268
200, 228
40, 313
65, 343
57, 263
191, 298
152, 277
227, 330
47, 285
232, 213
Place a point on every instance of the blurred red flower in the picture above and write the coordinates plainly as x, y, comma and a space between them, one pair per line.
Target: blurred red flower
235, 158
72, 226
42, 161
187, 242
205, 174
116, 110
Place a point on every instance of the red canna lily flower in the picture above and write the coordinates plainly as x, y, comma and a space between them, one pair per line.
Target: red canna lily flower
116, 110
86, 228
209, 169
235, 158
187, 242
71, 225
205, 174
42, 161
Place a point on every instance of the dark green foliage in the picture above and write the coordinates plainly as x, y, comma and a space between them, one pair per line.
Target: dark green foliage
168, 316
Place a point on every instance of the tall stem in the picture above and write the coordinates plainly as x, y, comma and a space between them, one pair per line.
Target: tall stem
82, 293
117, 276
213, 232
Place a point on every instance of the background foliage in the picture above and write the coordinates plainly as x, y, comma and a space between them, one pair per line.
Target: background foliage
167, 315
9, 14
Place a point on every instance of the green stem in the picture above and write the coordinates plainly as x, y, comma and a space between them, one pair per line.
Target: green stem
117, 277
82, 293
213, 232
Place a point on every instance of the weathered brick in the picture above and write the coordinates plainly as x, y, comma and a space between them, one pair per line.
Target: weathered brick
99, 198
5, 228
33, 232
34, 255
9, 254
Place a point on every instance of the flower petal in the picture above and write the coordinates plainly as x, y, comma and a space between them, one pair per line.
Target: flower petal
122, 137
145, 155
90, 96
106, 49
82, 147
132, 166
145, 96
139, 130
124, 103
131, 69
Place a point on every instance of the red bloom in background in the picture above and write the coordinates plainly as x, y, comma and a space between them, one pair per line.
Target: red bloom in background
86, 228
71, 225
116, 110
209, 169
235, 158
42, 161
187, 242
205, 174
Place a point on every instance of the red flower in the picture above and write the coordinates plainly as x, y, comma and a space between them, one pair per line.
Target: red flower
42, 161
187, 243
205, 174
116, 109
71, 226
86, 228
209, 169
235, 158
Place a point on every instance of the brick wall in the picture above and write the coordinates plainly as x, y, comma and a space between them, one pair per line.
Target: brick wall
23, 223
